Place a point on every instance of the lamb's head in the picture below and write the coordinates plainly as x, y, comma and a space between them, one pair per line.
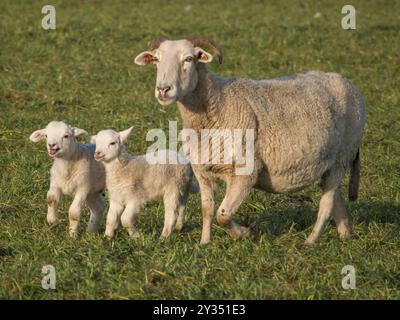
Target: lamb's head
108, 144
177, 61
60, 138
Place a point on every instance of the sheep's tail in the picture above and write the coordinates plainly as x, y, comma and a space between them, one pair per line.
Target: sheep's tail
354, 177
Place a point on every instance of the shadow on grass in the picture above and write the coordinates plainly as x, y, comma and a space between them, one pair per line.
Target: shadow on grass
277, 221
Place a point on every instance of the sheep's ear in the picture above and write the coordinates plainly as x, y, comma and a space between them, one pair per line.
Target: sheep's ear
145, 58
123, 135
202, 55
93, 139
38, 135
79, 132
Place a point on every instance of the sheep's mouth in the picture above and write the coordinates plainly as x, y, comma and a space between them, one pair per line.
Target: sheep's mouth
98, 158
53, 151
165, 100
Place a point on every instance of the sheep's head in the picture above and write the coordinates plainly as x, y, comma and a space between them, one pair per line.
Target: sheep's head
176, 63
108, 143
60, 138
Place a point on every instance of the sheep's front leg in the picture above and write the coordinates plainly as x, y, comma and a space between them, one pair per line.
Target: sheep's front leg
128, 218
207, 209
96, 205
236, 192
53, 199
74, 213
113, 215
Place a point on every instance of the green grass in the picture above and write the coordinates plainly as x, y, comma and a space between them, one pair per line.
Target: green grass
83, 73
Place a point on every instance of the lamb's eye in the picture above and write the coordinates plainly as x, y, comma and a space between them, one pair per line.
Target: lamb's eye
113, 143
189, 59
66, 136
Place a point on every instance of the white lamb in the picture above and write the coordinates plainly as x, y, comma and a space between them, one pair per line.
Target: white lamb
75, 173
132, 182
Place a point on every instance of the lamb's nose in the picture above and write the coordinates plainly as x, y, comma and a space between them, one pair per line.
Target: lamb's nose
163, 90
52, 145
97, 153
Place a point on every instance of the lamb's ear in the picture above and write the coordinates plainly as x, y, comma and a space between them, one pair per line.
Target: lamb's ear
145, 58
123, 135
79, 132
93, 139
38, 135
202, 55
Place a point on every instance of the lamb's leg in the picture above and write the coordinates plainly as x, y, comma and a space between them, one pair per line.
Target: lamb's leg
74, 213
53, 198
171, 205
113, 215
341, 217
181, 214
128, 219
207, 209
236, 192
96, 206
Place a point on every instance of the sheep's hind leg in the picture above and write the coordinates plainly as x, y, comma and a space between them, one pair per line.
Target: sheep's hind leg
330, 201
236, 192
342, 220
128, 218
96, 206
171, 204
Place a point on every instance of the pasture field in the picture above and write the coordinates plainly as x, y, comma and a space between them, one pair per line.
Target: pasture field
83, 73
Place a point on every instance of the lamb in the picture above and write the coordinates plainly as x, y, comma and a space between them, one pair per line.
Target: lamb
74, 173
133, 181
307, 127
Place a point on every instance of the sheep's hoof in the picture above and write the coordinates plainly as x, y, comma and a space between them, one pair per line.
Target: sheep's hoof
134, 234
346, 236
109, 234
205, 241
93, 229
239, 232
53, 221
73, 234
310, 242
179, 226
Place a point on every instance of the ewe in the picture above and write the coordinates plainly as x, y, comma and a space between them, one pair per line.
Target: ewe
307, 128
75, 173
132, 182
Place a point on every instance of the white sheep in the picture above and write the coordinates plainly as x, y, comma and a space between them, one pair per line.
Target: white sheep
131, 182
74, 173
308, 129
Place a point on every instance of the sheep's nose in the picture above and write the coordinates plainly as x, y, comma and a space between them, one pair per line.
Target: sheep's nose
52, 145
97, 153
163, 90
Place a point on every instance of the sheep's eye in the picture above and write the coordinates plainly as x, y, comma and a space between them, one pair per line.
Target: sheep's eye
189, 59
66, 136
113, 143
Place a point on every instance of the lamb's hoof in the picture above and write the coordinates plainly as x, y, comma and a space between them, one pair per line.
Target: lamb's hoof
239, 232
203, 242
109, 234
134, 234
179, 226
346, 236
310, 242
73, 234
54, 221
92, 229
